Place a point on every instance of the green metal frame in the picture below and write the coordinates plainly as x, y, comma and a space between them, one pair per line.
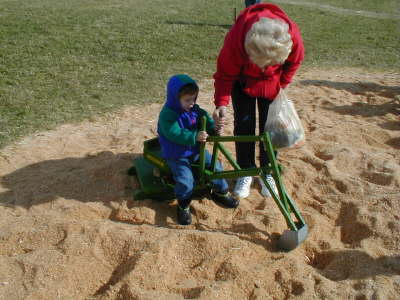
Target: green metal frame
152, 154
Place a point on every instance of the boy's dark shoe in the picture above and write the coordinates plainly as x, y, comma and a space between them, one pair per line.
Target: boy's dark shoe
225, 199
184, 215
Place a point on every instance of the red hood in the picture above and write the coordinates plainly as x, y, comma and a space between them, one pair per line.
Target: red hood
253, 14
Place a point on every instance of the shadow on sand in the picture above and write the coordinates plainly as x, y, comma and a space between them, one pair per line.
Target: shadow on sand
102, 178
357, 88
340, 265
363, 88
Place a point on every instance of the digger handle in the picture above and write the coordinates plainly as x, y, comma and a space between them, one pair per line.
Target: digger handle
202, 151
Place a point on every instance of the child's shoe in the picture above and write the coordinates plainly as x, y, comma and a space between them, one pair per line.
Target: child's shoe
264, 190
184, 215
225, 199
242, 186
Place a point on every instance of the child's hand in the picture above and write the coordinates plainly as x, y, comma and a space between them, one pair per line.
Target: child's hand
202, 136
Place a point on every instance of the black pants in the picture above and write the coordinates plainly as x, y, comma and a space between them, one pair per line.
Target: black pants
244, 111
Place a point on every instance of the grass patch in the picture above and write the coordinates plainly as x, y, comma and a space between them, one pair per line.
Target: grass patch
382, 6
351, 41
66, 61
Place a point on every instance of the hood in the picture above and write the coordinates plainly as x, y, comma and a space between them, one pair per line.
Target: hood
175, 83
251, 15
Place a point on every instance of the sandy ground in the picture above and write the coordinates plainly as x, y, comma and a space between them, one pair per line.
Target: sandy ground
70, 230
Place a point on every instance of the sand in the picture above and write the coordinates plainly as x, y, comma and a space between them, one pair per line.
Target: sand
70, 229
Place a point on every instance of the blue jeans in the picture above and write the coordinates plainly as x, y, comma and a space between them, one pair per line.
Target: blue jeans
251, 2
184, 180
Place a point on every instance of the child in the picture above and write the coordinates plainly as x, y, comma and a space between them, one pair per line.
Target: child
179, 135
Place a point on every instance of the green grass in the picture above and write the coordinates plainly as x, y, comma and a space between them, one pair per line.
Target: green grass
67, 61
340, 41
382, 6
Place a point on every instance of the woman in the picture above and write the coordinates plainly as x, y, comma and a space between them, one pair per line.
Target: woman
260, 55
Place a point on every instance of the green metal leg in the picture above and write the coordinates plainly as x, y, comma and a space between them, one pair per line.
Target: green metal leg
214, 157
228, 156
285, 212
202, 154
275, 168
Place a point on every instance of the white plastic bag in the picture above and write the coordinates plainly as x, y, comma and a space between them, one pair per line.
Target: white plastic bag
283, 123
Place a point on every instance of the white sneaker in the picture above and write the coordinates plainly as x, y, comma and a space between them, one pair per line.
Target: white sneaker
264, 190
242, 186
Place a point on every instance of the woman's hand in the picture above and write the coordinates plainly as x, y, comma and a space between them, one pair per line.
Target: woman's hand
202, 136
219, 116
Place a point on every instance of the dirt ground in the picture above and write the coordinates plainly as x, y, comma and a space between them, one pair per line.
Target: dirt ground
70, 229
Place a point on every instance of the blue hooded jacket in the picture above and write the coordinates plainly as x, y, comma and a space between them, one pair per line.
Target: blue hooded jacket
177, 128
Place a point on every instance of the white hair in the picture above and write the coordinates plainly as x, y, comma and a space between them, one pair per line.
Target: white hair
268, 42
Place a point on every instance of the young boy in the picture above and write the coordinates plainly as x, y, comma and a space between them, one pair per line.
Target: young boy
179, 135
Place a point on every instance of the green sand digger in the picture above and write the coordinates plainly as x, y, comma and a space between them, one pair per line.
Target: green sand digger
155, 180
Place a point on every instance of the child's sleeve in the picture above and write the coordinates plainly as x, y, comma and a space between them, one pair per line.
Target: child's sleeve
170, 128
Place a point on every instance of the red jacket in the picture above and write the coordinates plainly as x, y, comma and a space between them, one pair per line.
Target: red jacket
234, 64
